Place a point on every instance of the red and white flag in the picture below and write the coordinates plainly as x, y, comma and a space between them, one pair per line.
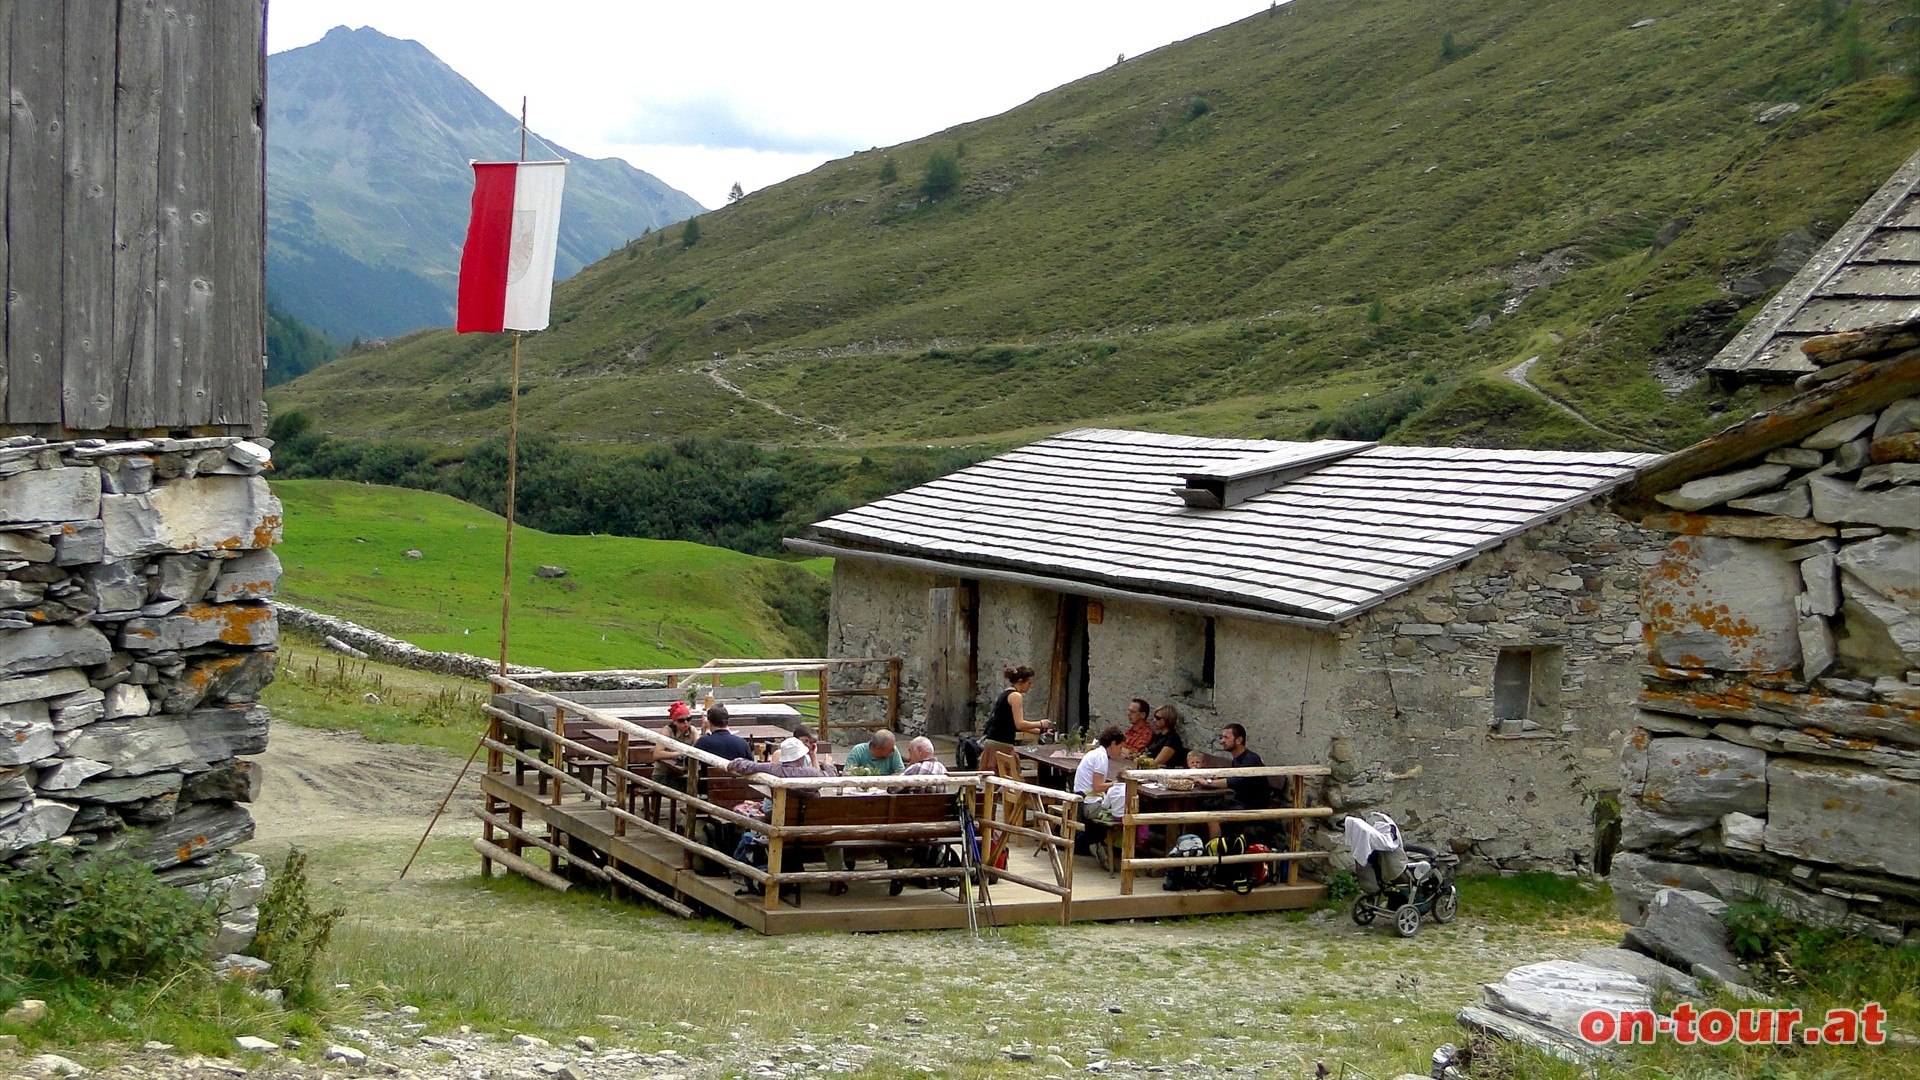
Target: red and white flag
506, 267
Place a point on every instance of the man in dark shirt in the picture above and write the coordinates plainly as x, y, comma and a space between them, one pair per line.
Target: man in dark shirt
1248, 792
718, 740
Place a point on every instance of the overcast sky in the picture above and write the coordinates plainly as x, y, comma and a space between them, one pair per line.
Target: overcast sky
755, 91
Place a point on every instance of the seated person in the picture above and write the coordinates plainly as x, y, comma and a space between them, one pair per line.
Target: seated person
720, 742
1248, 792
1165, 750
1098, 774
815, 756
679, 728
789, 759
878, 756
921, 760
1139, 727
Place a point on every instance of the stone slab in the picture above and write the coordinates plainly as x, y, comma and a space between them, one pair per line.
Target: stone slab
1723, 604
43, 820
1843, 815
50, 495
1819, 575
1685, 928
1793, 502
1712, 490
209, 513
136, 746
197, 831
241, 625
253, 576
26, 735
19, 545
1840, 432
47, 685
1837, 501
47, 648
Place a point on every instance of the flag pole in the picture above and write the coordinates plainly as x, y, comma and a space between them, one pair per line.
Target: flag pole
506, 585
513, 454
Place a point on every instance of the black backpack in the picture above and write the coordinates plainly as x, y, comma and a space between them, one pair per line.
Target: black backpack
966, 752
1237, 877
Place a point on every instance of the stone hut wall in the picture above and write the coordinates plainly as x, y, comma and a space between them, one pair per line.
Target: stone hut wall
1402, 701
135, 638
1777, 750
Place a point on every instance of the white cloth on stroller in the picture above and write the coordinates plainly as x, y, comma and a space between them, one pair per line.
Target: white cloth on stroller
1366, 837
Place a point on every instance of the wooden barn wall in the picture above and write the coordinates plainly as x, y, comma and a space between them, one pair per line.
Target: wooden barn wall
134, 171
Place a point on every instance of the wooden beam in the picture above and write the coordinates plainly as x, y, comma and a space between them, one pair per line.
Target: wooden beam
521, 866
88, 385
36, 248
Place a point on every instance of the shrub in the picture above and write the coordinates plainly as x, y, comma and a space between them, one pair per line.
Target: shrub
690, 233
292, 930
889, 174
1198, 107
1342, 886
943, 175
69, 914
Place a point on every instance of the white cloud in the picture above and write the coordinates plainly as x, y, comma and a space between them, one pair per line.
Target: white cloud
703, 95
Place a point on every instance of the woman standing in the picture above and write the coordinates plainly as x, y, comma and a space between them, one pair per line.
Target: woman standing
1009, 717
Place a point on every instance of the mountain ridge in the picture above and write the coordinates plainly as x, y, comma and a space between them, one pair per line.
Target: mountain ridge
1334, 218
368, 140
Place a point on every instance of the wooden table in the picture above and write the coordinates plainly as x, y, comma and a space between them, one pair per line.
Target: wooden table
1056, 762
1159, 799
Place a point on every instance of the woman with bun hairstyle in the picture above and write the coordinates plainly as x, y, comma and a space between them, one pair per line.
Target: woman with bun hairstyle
1009, 717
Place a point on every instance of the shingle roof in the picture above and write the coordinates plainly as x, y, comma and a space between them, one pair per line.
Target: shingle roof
1868, 274
1098, 506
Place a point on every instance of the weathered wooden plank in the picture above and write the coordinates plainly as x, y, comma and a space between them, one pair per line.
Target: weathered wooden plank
6, 80
235, 358
35, 252
136, 230
1908, 215
181, 286
88, 384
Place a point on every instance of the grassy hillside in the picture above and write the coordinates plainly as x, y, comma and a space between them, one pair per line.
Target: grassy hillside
623, 603
1246, 232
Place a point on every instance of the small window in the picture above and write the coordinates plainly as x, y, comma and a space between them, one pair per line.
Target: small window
1513, 686
1526, 690
1206, 657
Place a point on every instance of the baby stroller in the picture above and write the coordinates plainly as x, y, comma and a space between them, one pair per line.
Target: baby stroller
1407, 881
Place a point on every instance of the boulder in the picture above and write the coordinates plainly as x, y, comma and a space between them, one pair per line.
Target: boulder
252, 576
26, 734
26, 546
64, 494
1654, 974
197, 831
1712, 490
1743, 832
1843, 815
1695, 776
137, 746
1794, 502
43, 820
1686, 929
79, 543
50, 684
1898, 418
183, 577
1837, 501
1868, 611
1557, 993
1840, 432
1816, 647
117, 586
202, 624
1635, 878
1727, 604
208, 513
1818, 573
47, 648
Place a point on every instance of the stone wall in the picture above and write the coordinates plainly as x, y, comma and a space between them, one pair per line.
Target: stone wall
135, 638
1408, 723
1777, 751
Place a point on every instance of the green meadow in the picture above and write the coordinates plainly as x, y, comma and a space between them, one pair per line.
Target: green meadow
622, 603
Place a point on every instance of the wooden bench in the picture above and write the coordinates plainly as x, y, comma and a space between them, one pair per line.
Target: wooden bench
869, 811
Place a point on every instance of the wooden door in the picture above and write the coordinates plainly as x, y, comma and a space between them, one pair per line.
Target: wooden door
952, 664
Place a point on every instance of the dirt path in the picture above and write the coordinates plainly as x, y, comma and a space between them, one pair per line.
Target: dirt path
1517, 374
325, 786
711, 370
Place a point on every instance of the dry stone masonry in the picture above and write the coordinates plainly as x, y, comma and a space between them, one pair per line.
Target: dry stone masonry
1777, 750
135, 637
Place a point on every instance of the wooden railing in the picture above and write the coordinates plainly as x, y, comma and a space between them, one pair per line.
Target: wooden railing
814, 703
1295, 787
999, 805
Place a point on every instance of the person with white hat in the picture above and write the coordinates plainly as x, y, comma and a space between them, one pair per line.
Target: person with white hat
790, 759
